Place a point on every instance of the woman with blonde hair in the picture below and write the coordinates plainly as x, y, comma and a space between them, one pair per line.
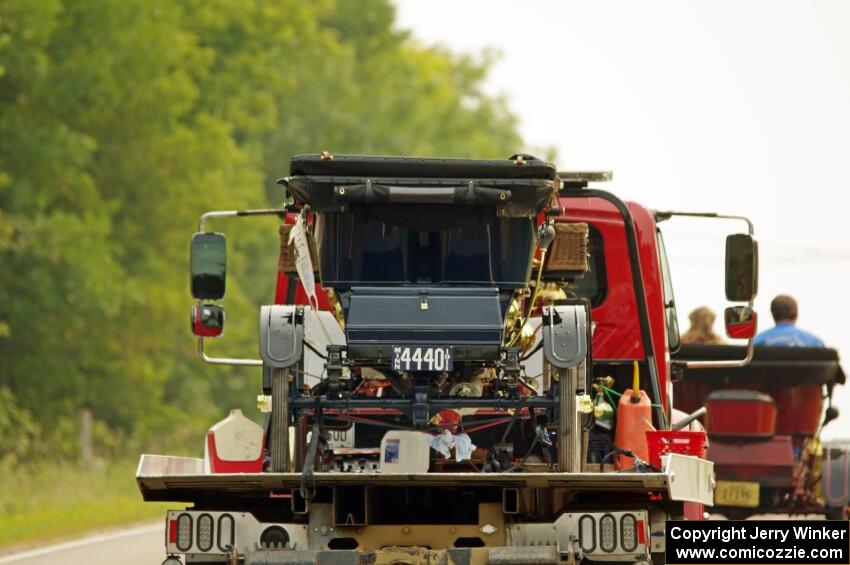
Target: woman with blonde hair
702, 327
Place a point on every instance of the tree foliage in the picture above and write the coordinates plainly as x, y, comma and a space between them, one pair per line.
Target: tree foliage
121, 121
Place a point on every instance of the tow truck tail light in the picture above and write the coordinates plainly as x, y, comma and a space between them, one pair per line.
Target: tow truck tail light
608, 533
205, 532
226, 532
184, 532
628, 532
587, 533
172, 531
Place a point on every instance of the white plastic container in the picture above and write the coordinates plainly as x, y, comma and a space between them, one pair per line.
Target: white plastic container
234, 445
405, 452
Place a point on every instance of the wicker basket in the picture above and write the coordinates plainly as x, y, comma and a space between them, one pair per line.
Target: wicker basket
569, 250
286, 262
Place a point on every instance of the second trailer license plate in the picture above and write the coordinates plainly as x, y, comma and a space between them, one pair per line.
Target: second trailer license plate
421, 358
736, 493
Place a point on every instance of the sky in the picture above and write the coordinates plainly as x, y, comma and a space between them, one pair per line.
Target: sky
730, 107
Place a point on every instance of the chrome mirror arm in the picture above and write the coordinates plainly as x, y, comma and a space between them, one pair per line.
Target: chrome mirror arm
723, 364
202, 222
660, 216
225, 360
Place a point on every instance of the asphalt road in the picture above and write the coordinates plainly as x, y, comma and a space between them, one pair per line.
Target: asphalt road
136, 546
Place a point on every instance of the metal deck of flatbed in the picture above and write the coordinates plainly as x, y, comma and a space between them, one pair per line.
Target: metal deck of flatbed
182, 479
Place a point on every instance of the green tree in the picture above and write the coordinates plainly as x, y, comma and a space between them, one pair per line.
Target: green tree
121, 121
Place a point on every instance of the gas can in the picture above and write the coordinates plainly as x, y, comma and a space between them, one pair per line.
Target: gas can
634, 419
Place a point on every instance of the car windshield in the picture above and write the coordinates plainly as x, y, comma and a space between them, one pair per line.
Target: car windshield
453, 249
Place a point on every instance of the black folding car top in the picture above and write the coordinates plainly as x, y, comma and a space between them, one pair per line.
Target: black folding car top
518, 187
423, 250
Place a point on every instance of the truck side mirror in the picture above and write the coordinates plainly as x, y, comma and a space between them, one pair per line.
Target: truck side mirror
741, 267
207, 320
830, 414
741, 322
208, 265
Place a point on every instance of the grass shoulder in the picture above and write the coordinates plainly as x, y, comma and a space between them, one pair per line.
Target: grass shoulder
43, 503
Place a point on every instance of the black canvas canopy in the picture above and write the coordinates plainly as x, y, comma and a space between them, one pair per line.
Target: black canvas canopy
788, 366
516, 187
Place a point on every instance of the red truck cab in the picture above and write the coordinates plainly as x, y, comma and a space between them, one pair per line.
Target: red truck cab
615, 299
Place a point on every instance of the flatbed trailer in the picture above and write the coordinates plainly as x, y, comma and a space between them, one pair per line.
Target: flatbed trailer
448, 322
764, 428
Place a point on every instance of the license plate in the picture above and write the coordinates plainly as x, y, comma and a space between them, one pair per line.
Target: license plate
421, 358
340, 438
736, 493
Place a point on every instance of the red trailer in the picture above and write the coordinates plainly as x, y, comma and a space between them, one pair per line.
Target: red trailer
764, 424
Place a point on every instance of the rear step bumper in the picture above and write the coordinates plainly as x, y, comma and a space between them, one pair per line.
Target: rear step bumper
409, 555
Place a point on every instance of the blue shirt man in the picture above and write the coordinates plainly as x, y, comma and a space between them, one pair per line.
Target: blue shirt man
786, 333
